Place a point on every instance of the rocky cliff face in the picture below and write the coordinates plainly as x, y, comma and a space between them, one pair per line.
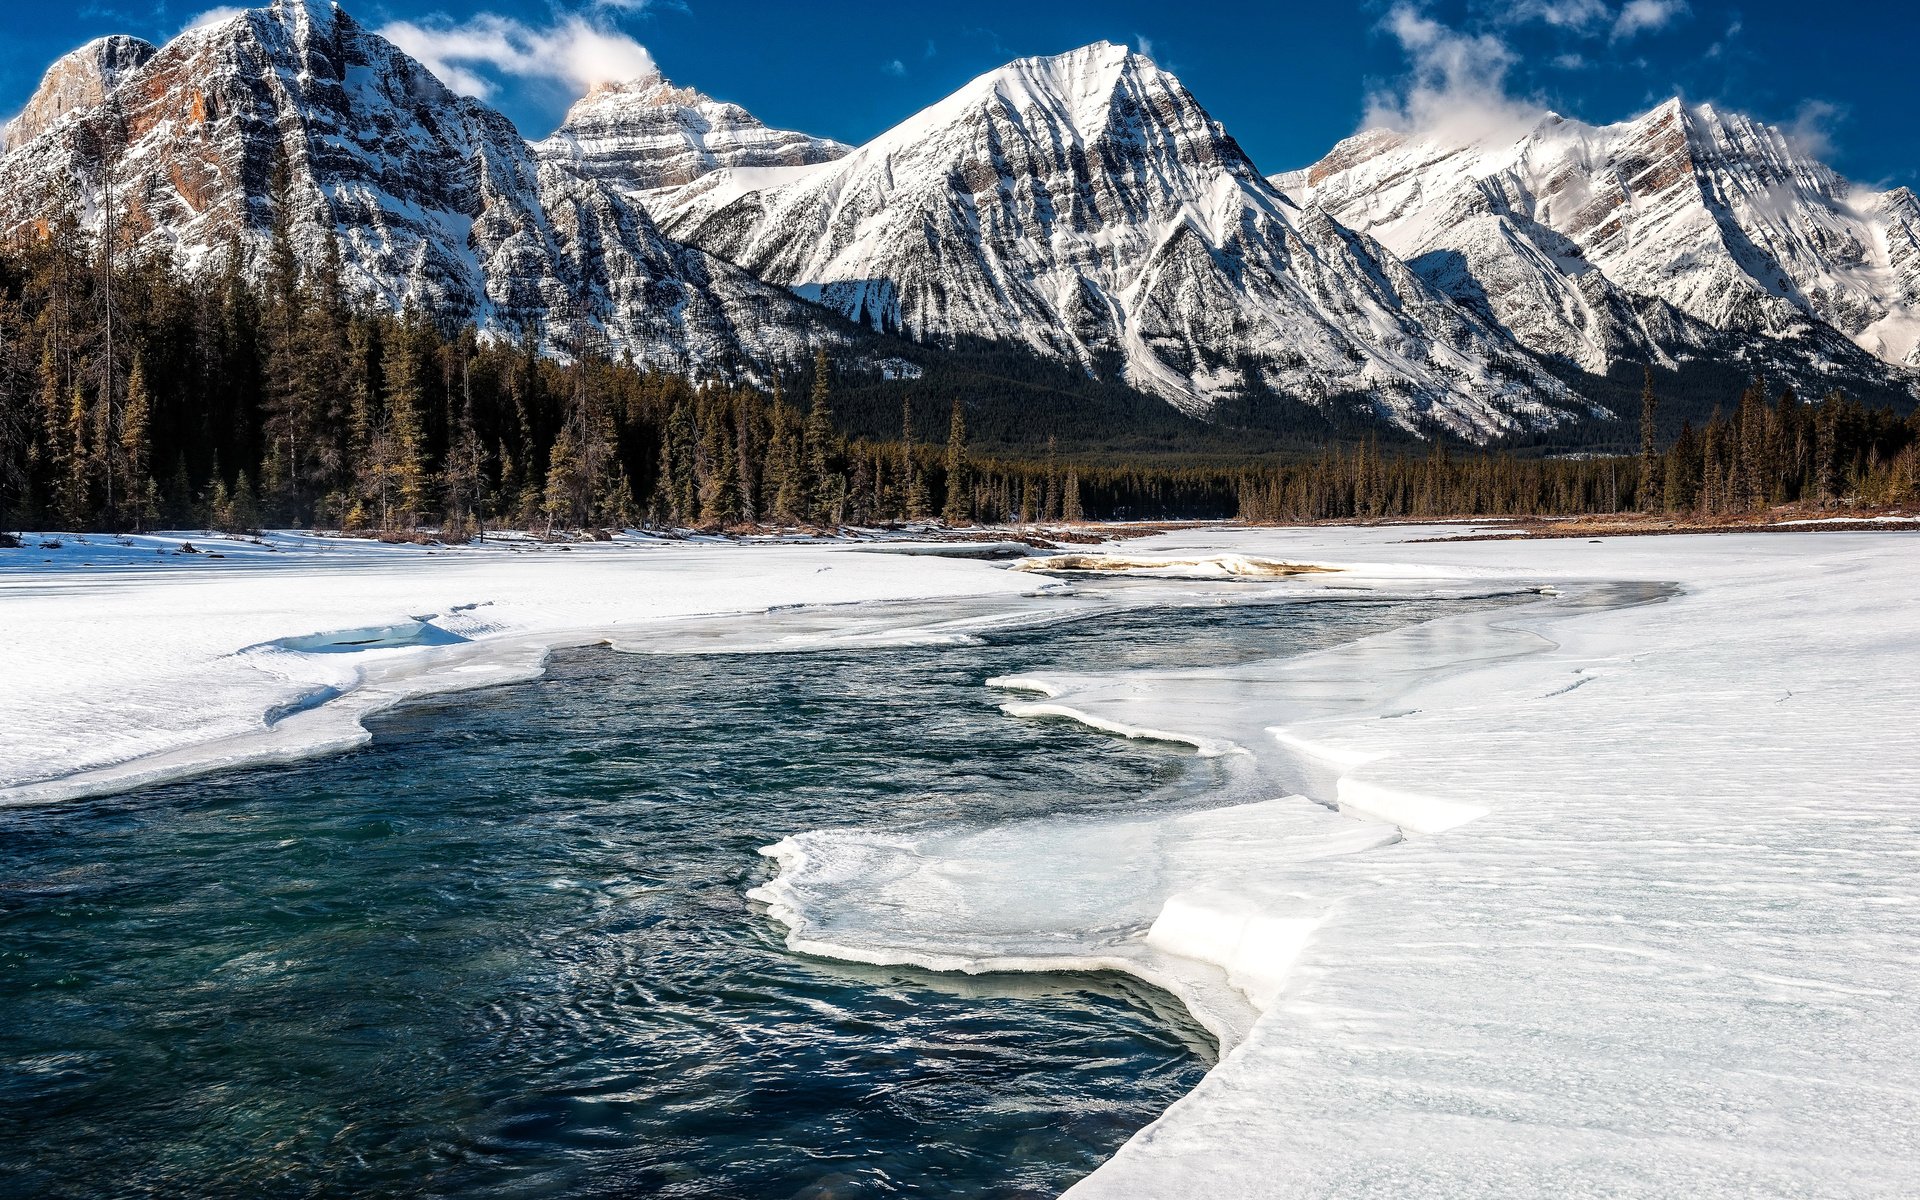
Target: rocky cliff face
1087, 206
649, 134
297, 113
1638, 240
77, 82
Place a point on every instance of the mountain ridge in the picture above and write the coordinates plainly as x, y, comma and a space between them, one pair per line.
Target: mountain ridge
296, 113
1673, 227
1087, 205
1081, 207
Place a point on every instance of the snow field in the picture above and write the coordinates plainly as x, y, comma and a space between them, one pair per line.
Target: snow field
1639, 921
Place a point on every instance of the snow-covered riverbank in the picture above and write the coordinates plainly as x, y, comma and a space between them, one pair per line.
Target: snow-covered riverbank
1637, 917
127, 661
1618, 899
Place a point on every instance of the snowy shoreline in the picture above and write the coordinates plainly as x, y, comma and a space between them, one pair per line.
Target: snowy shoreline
1635, 917
132, 664
1588, 895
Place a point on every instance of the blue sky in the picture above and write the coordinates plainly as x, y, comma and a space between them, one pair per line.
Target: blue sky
1287, 79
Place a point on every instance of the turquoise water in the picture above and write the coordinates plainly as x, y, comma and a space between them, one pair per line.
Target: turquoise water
504, 949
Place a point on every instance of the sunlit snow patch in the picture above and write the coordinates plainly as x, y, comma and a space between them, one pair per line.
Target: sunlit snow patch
1208, 747
1255, 947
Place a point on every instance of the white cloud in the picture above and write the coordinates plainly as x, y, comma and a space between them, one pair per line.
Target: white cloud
895, 68
212, 16
575, 51
1561, 14
1728, 43
1457, 85
1144, 44
1811, 130
1647, 16
1571, 62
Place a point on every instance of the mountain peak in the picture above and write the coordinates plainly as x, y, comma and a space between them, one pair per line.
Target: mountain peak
76, 81
638, 85
1655, 235
1080, 84
646, 133
1085, 205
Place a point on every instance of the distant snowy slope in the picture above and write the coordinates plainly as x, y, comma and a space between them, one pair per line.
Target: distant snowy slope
1597, 243
1087, 206
647, 133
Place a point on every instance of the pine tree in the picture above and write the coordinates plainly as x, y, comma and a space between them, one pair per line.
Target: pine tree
244, 515
406, 432
819, 442
142, 496
786, 474
1070, 501
566, 480
680, 445
76, 457
919, 503
1681, 489
749, 448
280, 330
1050, 501
719, 471
958, 510
1651, 476
1752, 470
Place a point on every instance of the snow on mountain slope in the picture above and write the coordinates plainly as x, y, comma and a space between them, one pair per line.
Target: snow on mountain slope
437, 200
1565, 232
1087, 206
647, 134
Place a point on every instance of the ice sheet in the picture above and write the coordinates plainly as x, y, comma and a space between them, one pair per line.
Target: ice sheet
1649, 931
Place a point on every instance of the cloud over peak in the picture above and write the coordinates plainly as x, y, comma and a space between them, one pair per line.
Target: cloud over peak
1458, 81
470, 56
1457, 84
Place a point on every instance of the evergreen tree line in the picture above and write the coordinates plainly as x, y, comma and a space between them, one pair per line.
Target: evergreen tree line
136, 396
1760, 454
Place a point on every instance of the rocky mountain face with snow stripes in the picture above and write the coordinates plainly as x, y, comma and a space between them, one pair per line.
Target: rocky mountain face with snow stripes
437, 202
1087, 206
646, 134
1642, 240
1084, 207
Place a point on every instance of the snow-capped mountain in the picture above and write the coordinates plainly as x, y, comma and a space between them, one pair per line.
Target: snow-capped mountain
1087, 206
436, 199
1597, 243
1084, 206
647, 134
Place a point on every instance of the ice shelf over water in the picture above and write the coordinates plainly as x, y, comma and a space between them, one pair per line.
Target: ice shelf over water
1609, 893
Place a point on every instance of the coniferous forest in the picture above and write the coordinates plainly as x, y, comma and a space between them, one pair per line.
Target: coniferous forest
144, 397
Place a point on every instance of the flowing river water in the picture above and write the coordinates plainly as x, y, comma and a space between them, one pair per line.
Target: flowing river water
505, 949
